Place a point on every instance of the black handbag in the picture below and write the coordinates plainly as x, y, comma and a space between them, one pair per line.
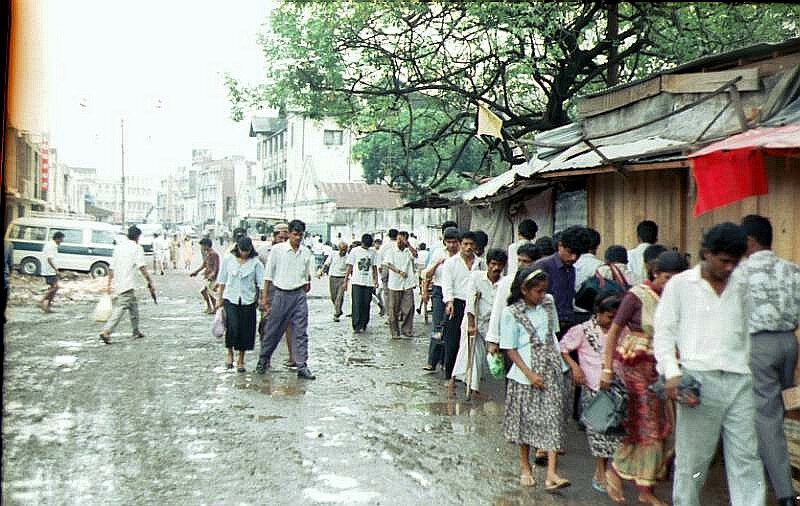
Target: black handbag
588, 290
607, 410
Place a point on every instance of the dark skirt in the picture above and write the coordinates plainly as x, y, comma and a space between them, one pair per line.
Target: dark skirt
240, 326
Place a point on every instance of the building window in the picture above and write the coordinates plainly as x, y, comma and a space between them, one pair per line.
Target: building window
332, 137
71, 236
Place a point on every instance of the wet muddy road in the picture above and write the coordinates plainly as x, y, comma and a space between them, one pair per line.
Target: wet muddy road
160, 421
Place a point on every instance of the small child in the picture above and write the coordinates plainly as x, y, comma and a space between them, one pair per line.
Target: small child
535, 395
589, 338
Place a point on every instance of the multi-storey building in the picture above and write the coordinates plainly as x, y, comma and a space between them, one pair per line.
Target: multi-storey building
25, 182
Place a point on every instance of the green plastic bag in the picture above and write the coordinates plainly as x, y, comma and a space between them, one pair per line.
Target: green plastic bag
496, 365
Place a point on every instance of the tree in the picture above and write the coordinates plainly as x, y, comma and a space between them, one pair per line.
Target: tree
414, 73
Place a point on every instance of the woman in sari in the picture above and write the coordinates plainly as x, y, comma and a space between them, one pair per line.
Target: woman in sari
646, 449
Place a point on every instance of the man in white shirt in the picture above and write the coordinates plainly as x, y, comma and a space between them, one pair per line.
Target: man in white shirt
289, 269
336, 267
585, 267
49, 270
399, 263
128, 258
701, 318
526, 233
389, 244
647, 233
771, 286
455, 291
433, 275
471, 360
362, 273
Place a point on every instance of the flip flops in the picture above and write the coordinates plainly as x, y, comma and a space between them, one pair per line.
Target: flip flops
551, 486
527, 480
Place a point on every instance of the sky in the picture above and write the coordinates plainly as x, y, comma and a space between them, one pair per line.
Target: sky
79, 67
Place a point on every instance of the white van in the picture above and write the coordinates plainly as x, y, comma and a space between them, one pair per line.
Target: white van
87, 246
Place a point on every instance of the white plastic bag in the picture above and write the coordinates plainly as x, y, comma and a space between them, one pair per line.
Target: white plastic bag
102, 311
218, 327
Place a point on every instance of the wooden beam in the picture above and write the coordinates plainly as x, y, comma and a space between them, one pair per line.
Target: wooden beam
706, 82
592, 106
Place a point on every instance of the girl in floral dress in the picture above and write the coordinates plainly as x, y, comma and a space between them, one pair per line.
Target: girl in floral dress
535, 395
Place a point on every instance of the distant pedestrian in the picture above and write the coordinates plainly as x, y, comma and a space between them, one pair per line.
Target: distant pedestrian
535, 397
771, 287
335, 266
377, 244
701, 333
362, 274
647, 233
160, 253
546, 245
237, 292
187, 252
210, 268
174, 249
8, 268
423, 254
390, 244
128, 258
49, 270
617, 256
289, 268
589, 340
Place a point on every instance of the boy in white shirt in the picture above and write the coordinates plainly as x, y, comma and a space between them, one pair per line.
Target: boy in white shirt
49, 270
401, 283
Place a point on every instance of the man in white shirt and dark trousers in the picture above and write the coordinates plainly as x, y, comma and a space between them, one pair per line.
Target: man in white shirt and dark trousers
647, 233
701, 318
455, 292
49, 270
289, 270
336, 267
388, 245
772, 297
362, 269
434, 275
128, 258
399, 262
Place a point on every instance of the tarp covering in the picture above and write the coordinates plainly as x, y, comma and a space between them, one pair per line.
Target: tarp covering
733, 169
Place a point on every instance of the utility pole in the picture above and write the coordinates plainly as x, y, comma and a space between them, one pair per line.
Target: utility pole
122, 147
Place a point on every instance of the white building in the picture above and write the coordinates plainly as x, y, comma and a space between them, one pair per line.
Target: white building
106, 193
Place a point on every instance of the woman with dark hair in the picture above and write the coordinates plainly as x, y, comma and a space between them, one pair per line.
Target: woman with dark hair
535, 395
237, 283
645, 451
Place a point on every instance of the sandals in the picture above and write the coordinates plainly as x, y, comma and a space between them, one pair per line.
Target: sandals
613, 491
552, 486
598, 486
137, 335
527, 480
105, 337
429, 368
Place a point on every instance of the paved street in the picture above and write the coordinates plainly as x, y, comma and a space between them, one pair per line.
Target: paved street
160, 421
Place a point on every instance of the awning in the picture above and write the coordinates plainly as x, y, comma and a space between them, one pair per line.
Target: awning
734, 168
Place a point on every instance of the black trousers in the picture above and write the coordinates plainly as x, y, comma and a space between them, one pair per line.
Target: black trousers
362, 298
564, 326
452, 336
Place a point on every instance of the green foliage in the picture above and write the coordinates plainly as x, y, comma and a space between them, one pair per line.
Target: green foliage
409, 75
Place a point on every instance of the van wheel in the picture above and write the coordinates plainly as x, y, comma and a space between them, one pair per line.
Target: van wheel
99, 270
29, 266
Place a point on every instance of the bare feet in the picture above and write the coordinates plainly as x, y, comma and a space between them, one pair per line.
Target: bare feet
451, 388
475, 394
649, 498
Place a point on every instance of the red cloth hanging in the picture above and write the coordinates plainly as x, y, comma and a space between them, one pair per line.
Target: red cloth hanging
723, 177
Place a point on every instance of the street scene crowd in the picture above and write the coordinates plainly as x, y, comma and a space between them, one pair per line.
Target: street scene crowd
698, 354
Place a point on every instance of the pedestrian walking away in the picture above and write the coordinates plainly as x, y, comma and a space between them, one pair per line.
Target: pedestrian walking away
289, 268
49, 270
128, 257
210, 268
237, 293
771, 287
160, 253
533, 409
701, 319
174, 248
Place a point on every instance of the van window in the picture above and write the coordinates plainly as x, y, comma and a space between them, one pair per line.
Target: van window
29, 233
71, 235
102, 236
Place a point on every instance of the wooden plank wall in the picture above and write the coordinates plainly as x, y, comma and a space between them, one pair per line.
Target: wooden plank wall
781, 205
617, 203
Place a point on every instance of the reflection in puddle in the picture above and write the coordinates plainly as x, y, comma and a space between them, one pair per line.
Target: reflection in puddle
451, 408
345, 491
267, 388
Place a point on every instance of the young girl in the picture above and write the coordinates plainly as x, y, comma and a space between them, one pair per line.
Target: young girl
589, 338
535, 396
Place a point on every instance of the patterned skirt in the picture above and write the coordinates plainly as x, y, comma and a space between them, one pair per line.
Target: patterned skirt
600, 445
647, 447
535, 417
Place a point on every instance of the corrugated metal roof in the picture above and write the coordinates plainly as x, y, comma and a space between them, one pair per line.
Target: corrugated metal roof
580, 156
362, 195
783, 137
263, 125
504, 181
